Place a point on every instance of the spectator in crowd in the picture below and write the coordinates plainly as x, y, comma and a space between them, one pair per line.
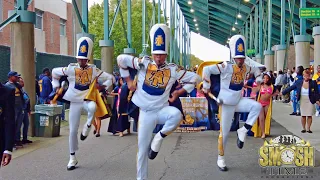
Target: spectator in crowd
37, 90
248, 85
316, 77
200, 92
45, 86
119, 122
266, 91
274, 77
285, 82
308, 95
7, 124
13, 78
295, 103
26, 114
279, 83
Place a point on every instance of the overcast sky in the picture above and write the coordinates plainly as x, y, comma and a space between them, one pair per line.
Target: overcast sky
201, 47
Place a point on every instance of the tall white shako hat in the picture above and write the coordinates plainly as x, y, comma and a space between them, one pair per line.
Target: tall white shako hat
159, 35
237, 46
84, 48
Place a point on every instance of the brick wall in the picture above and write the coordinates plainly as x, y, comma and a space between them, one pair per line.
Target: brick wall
51, 27
51, 47
5, 33
69, 29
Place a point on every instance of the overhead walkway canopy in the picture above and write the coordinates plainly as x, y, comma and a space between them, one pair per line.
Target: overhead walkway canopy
219, 19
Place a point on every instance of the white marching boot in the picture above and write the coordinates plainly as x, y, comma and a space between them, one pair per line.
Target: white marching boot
221, 163
242, 134
155, 146
72, 163
85, 132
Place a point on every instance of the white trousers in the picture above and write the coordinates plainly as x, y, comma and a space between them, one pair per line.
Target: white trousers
227, 112
169, 116
74, 120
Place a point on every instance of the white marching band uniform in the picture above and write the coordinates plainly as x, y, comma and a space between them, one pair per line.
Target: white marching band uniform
152, 95
79, 82
232, 81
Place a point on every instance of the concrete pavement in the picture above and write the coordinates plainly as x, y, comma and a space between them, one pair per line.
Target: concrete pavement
281, 113
183, 156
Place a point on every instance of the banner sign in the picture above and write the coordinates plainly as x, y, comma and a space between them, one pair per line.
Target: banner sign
196, 114
251, 52
195, 110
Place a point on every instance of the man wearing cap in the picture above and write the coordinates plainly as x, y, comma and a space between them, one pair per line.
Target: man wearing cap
155, 79
232, 78
80, 76
13, 78
45, 86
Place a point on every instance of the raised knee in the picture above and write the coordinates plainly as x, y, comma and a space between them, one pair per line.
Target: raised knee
91, 106
175, 114
257, 107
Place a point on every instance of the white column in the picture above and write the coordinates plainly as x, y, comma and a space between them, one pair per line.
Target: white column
302, 48
268, 60
281, 54
316, 36
258, 58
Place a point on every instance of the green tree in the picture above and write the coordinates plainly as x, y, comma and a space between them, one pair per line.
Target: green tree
96, 26
195, 61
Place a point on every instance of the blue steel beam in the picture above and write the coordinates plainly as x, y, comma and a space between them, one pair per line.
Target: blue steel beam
85, 15
129, 23
217, 39
303, 21
9, 20
76, 9
261, 10
115, 17
22, 4
106, 19
242, 7
230, 24
223, 16
196, 6
226, 10
218, 36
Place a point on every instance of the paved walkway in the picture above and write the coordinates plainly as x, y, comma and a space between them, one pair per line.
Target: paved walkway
281, 113
183, 156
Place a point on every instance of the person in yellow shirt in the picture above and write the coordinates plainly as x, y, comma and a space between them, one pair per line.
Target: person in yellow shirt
316, 77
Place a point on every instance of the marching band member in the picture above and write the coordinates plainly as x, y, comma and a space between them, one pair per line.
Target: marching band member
232, 78
82, 79
154, 82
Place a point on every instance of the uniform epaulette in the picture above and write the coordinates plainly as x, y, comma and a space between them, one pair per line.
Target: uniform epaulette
91, 65
73, 64
172, 64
